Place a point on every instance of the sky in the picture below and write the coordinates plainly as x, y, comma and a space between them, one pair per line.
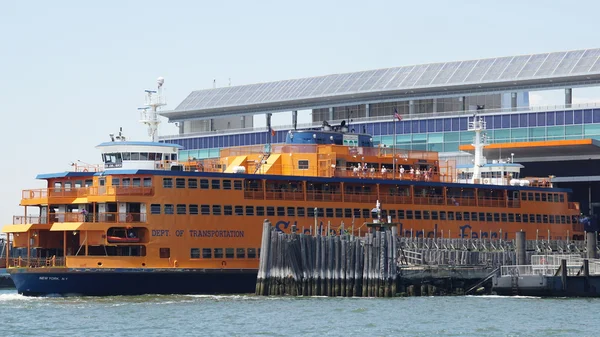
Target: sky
72, 72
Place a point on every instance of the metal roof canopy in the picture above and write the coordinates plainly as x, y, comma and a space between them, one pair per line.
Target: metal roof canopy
548, 70
541, 149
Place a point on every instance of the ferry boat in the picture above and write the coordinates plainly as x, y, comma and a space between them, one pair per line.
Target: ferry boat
146, 222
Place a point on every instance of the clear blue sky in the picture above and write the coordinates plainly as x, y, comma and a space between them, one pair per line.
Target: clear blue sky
74, 71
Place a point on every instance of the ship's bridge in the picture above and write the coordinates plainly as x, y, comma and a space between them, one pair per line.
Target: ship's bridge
138, 155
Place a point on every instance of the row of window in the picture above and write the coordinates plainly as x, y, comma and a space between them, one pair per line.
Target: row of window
135, 182
227, 253
204, 184
550, 197
514, 120
364, 213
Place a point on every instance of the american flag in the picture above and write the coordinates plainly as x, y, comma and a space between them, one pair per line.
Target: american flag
396, 115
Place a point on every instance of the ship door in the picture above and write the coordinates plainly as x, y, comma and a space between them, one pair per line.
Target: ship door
134, 210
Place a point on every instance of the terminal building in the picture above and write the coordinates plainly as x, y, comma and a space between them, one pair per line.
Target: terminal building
435, 102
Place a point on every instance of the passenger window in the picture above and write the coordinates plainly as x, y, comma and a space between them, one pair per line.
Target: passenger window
240, 253
195, 253
251, 253
229, 253
204, 184
206, 253
226, 184
218, 253
167, 182
216, 184
239, 210
205, 209
250, 210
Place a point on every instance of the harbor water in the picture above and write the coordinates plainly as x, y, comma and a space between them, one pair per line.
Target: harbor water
249, 315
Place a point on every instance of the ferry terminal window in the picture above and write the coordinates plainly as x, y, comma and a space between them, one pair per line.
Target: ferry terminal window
544, 197
473, 216
227, 210
169, 209
270, 211
260, 210
525, 218
137, 182
147, 182
518, 217
409, 214
434, 215
126, 182
366, 213
466, 216
329, 212
347, 212
356, 212
291, 211
556, 199
280, 211
195, 253
496, 217
339, 213
216, 184
205, 209
426, 215
530, 196
459, 216
216, 209
206, 253
251, 253
418, 215
511, 217
192, 183
392, 214
229, 253
401, 214
561, 197
239, 210
180, 183
218, 253
537, 197
181, 208
154, 209
442, 215
450, 215
237, 185
226, 184
194, 209
551, 218
116, 181
250, 210
168, 182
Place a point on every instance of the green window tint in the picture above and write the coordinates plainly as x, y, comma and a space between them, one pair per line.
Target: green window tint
419, 137
419, 147
501, 136
467, 137
435, 138
184, 155
214, 153
591, 129
403, 139
573, 132
405, 146
537, 134
435, 147
555, 132
451, 147
518, 135
451, 136
388, 140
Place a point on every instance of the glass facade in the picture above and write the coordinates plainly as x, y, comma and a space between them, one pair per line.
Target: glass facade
435, 134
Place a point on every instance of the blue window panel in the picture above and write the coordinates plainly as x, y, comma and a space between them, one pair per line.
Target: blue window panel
506, 121
514, 121
369, 128
596, 115
497, 122
447, 124
568, 117
431, 125
489, 122
464, 123
406, 127
587, 116
415, 126
559, 117
541, 119
455, 124
523, 120
577, 117
439, 126
390, 127
532, 119
550, 117
423, 125
376, 129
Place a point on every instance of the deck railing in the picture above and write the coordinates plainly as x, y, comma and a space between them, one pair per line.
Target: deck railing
36, 262
110, 217
78, 192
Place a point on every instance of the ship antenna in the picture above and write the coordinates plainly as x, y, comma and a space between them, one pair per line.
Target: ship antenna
478, 125
149, 113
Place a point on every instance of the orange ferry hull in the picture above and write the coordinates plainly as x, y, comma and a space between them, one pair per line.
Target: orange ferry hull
103, 282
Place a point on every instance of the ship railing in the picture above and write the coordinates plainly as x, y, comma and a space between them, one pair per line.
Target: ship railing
87, 167
121, 217
361, 197
461, 201
121, 191
284, 195
539, 182
28, 219
323, 196
391, 199
36, 262
388, 175
254, 194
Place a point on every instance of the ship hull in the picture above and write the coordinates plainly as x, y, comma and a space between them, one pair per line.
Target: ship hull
74, 282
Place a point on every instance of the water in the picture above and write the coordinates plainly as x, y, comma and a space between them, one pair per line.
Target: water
179, 315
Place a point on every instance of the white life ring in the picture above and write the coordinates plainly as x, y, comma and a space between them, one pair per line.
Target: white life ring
486, 181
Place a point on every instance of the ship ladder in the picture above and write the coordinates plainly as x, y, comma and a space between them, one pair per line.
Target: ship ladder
514, 284
265, 156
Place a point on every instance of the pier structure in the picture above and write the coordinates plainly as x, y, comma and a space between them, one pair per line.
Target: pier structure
383, 264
